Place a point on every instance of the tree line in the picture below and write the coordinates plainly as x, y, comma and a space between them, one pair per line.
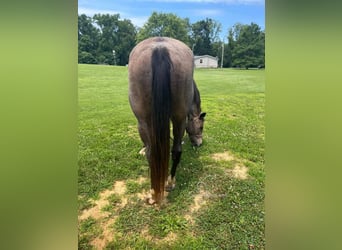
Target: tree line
107, 39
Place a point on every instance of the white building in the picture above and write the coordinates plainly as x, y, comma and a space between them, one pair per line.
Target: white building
205, 61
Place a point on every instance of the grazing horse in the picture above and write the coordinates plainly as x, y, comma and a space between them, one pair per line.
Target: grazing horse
162, 89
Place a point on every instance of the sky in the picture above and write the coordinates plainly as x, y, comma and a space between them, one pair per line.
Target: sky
226, 12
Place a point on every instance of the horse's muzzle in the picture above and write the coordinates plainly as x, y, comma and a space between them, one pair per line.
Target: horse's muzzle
196, 141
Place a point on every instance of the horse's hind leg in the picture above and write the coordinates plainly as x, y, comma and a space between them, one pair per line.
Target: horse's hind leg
144, 135
178, 132
142, 127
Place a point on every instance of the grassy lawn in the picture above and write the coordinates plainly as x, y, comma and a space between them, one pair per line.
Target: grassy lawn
218, 202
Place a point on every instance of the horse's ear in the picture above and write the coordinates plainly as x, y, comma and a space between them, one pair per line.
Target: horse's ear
202, 115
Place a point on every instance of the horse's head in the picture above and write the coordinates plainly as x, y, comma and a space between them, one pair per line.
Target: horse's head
194, 128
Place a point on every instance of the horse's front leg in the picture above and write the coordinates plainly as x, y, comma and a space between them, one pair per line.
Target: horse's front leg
178, 133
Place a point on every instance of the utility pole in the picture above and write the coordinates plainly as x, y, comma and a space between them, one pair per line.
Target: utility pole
222, 54
114, 57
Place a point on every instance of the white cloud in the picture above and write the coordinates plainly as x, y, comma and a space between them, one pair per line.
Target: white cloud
136, 20
91, 12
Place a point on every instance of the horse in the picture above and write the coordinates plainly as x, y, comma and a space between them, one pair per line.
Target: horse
162, 89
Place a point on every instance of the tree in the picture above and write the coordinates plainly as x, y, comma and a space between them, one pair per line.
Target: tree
204, 34
100, 36
126, 35
108, 25
247, 45
86, 57
165, 24
227, 56
88, 40
106, 39
217, 48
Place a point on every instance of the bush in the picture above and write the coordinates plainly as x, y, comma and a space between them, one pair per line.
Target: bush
86, 57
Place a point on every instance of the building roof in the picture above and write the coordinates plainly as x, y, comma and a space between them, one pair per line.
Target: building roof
198, 57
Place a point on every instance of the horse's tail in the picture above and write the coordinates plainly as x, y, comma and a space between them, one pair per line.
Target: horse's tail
161, 112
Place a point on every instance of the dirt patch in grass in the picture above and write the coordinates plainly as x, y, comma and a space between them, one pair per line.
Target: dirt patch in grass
119, 187
225, 156
96, 211
106, 208
107, 234
105, 219
199, 201
239, 171
169, 238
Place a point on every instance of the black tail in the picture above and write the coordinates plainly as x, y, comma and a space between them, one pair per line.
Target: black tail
161, 111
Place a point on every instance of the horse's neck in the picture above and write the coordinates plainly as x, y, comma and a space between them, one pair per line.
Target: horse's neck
196, 102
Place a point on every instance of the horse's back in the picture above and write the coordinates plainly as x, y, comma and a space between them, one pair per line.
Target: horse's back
140, 75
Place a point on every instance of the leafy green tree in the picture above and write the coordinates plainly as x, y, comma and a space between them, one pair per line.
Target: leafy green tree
106, 39
227, 56
218, 47
116, 39
247, 45
126, 36
86, 57
108, 25
165, 24
204, 34
88, 40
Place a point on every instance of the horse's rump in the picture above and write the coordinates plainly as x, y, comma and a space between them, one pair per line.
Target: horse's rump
160, 89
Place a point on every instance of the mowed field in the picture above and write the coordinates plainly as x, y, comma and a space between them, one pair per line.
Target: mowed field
218, 202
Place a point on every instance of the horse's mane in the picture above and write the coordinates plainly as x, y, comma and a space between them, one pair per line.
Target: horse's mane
196, 103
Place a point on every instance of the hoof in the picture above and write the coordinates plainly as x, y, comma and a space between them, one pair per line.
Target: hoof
149, 198
142, 151
169, 188
170, 184
150, 201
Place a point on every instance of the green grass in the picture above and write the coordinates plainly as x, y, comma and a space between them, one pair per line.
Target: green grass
232, 213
